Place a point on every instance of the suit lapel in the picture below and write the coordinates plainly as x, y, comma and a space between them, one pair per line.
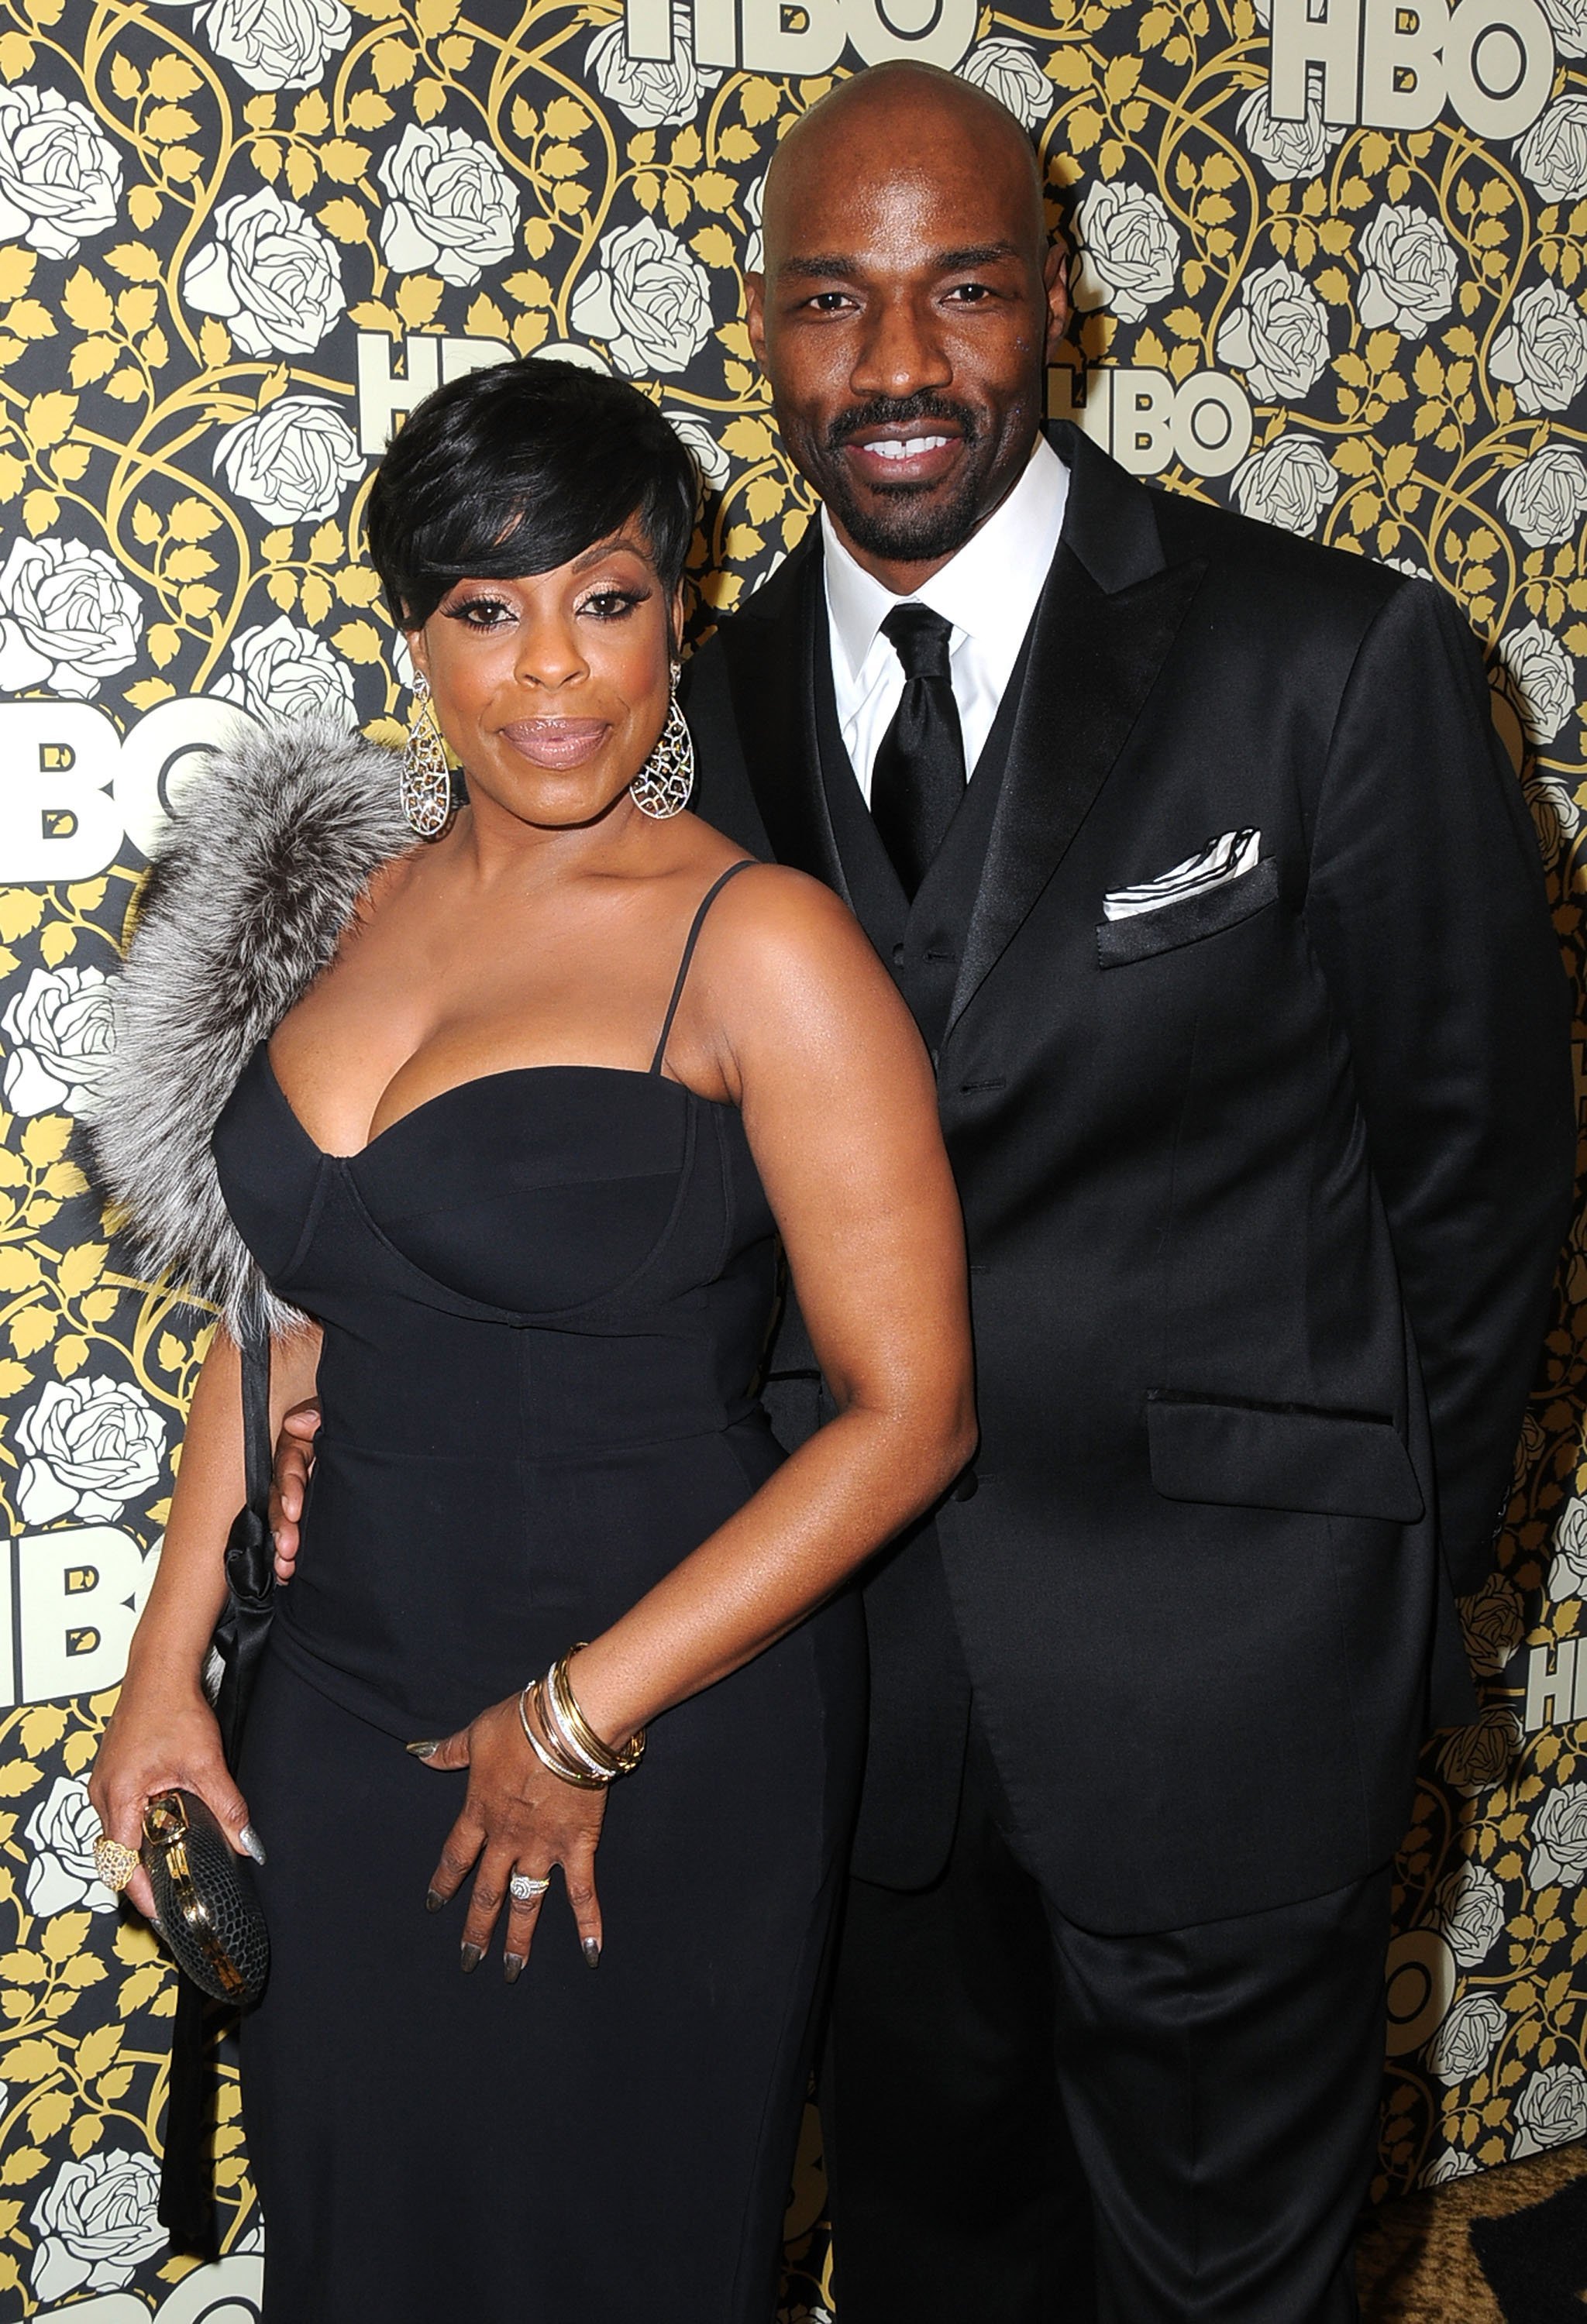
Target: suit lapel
771, 651
1107, 617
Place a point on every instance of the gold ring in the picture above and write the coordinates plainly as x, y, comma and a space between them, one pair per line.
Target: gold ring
114, 1862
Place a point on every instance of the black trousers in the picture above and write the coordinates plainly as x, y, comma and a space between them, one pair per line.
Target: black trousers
1030, 2124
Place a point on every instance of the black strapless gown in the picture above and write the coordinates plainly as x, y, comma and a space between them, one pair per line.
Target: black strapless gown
544, 1296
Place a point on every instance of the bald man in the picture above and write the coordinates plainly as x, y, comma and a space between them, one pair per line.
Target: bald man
1192, 850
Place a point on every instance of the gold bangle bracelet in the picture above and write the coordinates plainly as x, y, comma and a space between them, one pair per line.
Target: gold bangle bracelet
577, 1731
564, 1772
561, 1737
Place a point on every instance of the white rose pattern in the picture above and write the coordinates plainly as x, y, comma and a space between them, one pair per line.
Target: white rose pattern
70, 618
1408, 271
1553, 151
1567, 20
1471, 1909
715, 466
275, 43
1128, 250
60, 175
1286, 150
93, 1445
648, 298
754, 246
453, 208
1467, 2037
291, 462
1008, 70
95, 2223
60, 1833
652, 93
1289, 482
1543, 678
1557, 819
280, 671
1567, 1575
60, 182
1545, 498
1559, 1839
60, 1031
1454, 2163
1277, 335
1542, 353
1551, 2110
269, 273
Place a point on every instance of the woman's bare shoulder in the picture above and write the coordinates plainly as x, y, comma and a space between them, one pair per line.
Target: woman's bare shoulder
774, 899
770, 920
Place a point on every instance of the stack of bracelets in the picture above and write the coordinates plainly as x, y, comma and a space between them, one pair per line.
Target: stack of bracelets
568, 1745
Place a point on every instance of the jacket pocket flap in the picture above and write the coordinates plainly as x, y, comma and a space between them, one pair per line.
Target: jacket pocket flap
1279, 1456
1189, 917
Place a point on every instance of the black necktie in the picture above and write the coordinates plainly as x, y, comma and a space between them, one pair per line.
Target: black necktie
918, 777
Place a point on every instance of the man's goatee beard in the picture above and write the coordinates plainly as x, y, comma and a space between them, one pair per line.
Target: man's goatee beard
904, 525
901, 522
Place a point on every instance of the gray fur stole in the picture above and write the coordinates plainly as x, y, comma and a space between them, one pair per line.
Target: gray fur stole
271, 846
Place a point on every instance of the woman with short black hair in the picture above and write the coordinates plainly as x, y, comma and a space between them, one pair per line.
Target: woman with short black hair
504, 1109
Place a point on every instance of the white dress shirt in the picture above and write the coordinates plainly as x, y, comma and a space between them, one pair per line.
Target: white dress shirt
988, 592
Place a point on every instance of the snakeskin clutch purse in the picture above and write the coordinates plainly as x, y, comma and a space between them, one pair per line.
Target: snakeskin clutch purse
205, 1899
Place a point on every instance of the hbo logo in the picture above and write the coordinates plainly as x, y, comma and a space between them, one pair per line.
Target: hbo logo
75, 792
805, 36
1148, 423
1394, 64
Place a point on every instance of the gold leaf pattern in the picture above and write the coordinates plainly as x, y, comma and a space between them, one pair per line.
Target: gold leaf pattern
1399, 318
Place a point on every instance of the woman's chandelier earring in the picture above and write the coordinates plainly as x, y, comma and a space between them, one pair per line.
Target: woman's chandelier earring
427, 779
663, 784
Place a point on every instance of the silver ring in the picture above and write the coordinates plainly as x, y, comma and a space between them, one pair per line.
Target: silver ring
523, 1888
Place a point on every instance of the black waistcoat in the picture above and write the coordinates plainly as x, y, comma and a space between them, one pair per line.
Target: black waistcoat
924, 942
919, 1687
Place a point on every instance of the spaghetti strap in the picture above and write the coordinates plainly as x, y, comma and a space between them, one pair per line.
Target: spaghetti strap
709, 898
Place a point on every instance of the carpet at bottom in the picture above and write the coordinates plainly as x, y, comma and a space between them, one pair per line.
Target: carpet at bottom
1535, 2260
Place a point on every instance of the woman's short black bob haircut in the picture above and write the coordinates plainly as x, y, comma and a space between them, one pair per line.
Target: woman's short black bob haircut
518, 469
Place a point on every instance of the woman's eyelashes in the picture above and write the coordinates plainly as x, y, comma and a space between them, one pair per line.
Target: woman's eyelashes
613, 604
609, 604
480, 612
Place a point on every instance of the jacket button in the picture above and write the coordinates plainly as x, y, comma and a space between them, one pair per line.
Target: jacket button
897, 955
968, 1486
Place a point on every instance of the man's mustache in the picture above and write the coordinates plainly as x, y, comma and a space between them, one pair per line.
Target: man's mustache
888, 412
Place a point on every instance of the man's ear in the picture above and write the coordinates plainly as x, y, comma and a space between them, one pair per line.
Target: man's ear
755, 315
1055, 275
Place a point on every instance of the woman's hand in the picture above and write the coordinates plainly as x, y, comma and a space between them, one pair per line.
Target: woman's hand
289, 1485
518, 1818
154, 1743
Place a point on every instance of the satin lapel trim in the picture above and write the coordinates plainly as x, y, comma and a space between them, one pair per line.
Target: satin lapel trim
1094, 661
771, 675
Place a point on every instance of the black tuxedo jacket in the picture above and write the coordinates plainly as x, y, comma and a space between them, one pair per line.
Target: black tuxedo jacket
1263, 1192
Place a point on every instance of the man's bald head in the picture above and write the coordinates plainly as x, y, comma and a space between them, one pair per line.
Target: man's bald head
903, 123
907, 308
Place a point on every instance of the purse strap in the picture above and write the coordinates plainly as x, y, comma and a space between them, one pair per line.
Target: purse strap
186, 2201
250, 1553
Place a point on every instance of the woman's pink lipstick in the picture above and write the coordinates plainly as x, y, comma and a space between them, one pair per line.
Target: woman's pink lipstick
558, 742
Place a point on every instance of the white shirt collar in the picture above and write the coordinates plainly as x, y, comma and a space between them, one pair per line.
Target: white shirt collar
987, 591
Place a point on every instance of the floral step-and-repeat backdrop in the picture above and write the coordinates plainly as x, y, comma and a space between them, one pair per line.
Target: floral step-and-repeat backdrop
1329, 269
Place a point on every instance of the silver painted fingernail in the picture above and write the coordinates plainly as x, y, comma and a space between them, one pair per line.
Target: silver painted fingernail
472, 1957
592, 1952
422, 1750
433, 1900
512, 1967
251, 1843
